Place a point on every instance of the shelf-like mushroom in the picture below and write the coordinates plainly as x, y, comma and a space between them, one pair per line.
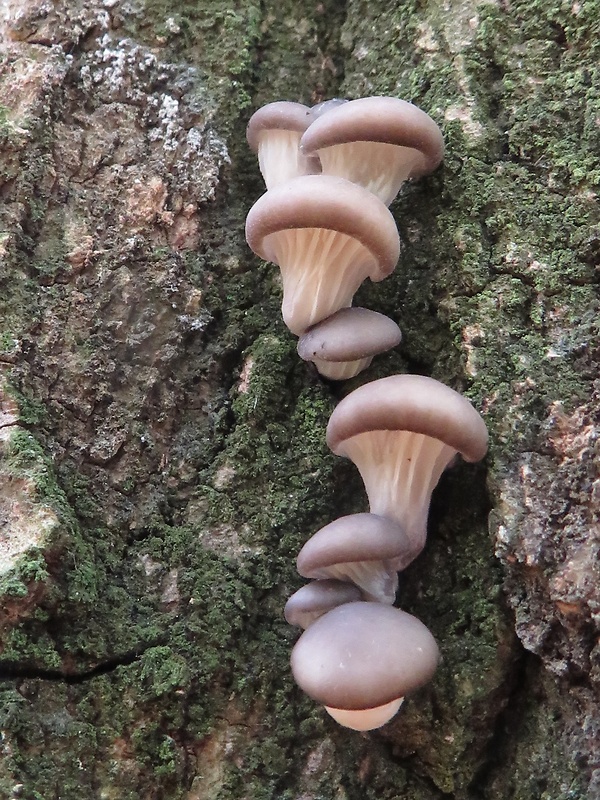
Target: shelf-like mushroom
402, 432
364, 549
361, 659
327, 236
317, 598
273, 133
377, 142
344, 344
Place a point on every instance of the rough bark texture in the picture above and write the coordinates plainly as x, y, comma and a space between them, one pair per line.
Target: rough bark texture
162, 447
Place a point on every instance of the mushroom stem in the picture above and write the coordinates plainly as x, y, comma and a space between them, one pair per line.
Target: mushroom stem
313, 291
341, 370
279, 158
399, 474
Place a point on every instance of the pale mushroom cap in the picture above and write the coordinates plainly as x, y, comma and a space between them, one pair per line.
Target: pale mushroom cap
329, 203
413, 403
349, 334
281, 115
316, 598
356, 537
363, 655
379, 119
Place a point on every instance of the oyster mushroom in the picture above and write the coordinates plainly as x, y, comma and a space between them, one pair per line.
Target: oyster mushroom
273, 133
316, 598
360, 660
327, 235
344, 344
365, 549
402, 432
376, 142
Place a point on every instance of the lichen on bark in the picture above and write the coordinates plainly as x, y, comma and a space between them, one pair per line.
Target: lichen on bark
162, 448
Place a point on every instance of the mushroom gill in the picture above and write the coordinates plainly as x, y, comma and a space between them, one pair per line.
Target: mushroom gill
401, 432
327, 236
376, 142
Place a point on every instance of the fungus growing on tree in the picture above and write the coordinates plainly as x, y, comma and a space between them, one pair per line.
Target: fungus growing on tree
376, 142
402, 432
273, 133
316, 598
364, 549
360, 660
344, 344
326, 235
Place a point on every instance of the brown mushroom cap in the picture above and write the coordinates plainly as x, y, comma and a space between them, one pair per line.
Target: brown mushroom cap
378, 119
329, 203
412, 403
316, 598
363, 655
281, 115
366, 549
356, 537
349, 334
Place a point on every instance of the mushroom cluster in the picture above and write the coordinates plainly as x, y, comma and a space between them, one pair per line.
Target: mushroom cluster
401, 432
331, 171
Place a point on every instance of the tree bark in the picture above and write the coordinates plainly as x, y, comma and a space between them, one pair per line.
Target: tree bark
162, 448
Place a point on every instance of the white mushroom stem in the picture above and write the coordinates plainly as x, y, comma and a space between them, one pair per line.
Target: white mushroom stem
366, 719
279, 158
341, 370
400, 470
379, 167
321, 270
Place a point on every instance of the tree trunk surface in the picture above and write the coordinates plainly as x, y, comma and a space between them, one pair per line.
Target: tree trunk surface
162, 447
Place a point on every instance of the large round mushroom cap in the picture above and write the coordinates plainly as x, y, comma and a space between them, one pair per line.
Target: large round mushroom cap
412, 403
387, 120
363, 655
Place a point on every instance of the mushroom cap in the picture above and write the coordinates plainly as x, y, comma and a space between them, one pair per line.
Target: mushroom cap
349, 334
356, 537
282, 115
412, 403
363, 655
326, 105
378, 119
330, 203
316, 598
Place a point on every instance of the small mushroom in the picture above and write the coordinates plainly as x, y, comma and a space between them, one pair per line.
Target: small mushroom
316, 598
274, 133
364, 657
377, 142
327, 235
402, 432
344, 344
365, 549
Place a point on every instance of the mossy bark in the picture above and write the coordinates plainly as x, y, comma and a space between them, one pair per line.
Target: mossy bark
162, 447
